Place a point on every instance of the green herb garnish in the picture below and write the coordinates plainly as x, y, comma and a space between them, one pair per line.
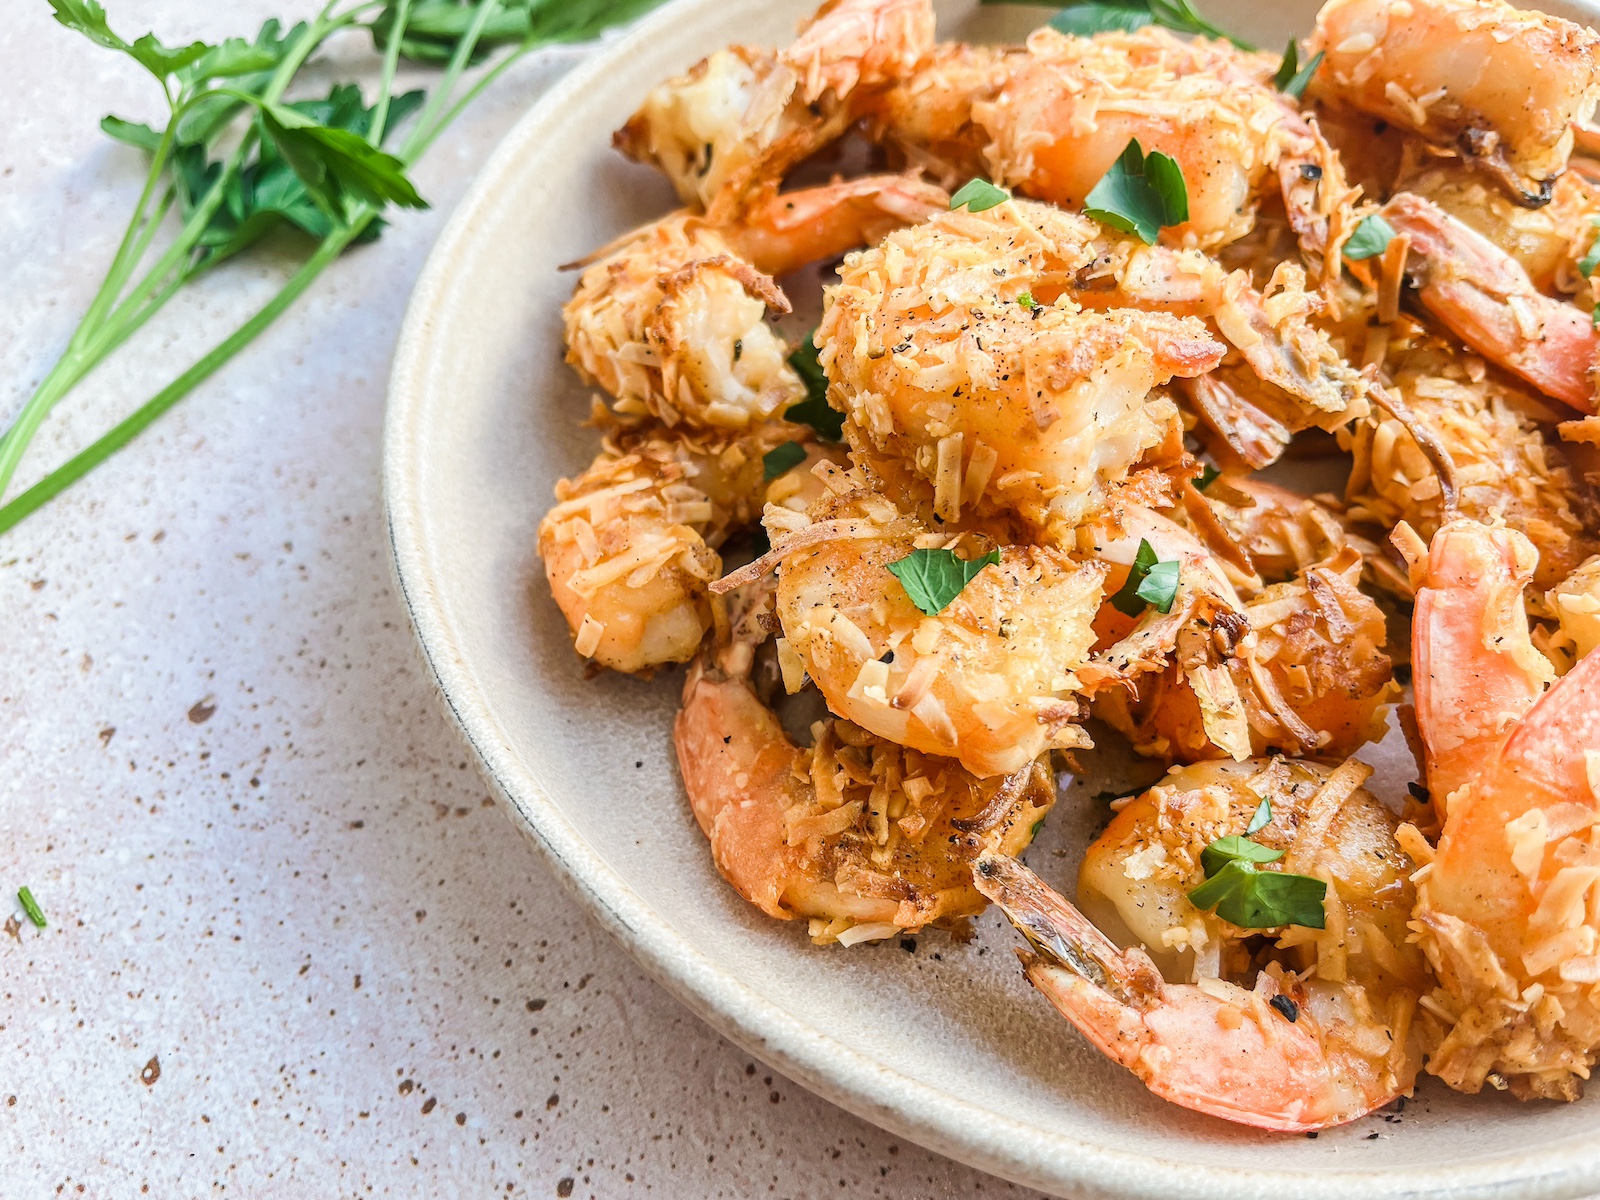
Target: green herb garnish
1262, 818
1208, 475
933, 578
1249, 897
1027, 301
978, 195
1254, 899
1372, 236
31, 907
780, 459
814, 410
1292, 78
1141, 194
1149, 582
1086, 18
235, 160
1591, 260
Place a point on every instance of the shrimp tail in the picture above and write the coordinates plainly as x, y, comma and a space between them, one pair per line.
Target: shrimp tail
1488, 300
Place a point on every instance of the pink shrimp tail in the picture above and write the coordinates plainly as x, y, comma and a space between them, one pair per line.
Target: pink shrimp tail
1488, 300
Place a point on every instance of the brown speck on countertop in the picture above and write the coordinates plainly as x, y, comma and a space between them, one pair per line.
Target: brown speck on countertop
429, 1104
151, 1071
14, 927
202, 711
564, 1186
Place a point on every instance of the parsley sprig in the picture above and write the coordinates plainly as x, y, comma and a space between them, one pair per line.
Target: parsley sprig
1151, 581
978, 195
1370, 238
235, 160
933, 578
1292, 79
1141, 194
814, 410
1085, 18
780, 459
1245, 895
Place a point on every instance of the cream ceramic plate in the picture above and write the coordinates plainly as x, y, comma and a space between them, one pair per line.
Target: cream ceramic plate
946, 1044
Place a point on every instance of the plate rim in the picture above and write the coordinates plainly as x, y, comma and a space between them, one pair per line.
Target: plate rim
942, 1122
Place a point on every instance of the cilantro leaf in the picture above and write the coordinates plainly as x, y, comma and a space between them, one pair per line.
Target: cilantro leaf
1292, 79
1150, 581
131, 133
978, 195
1207, 477
814, 410
1372, 236
1141, 194
933, 578
1027, 301
1252, 899
31, 907
780, 459
1262, 818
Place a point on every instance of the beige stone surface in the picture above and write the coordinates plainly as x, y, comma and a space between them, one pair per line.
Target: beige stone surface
271, 872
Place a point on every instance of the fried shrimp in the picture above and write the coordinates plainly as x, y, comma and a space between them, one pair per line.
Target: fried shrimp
630, 546
863, 837
1051, 117
1485, 297
1312, 677
740, 118
671, 319
1504, 468
1506, 909
1277, 1049
1500, 85
1010, 355
989, 681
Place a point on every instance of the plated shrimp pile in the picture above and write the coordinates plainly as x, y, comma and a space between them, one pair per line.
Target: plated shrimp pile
1017, 496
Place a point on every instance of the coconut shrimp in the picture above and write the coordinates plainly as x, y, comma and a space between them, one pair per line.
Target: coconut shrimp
1279, 1049
1051, 117
743, 116
1547, 242
1010, 355
1485, 297
1576, 604
1500, 85
1504, 909
631, 544
1504, 468
990, 681
864, 838
671, 318
1312, 677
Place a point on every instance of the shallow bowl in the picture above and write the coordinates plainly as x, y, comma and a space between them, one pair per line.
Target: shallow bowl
942, 1042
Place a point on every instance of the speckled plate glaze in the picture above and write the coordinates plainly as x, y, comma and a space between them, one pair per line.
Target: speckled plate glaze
941, 1042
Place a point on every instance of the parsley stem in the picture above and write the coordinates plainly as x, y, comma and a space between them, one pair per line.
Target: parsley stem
391, 59
411, 154
421, 134
64, 476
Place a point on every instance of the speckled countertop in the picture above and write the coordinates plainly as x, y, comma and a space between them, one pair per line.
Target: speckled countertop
294, 949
